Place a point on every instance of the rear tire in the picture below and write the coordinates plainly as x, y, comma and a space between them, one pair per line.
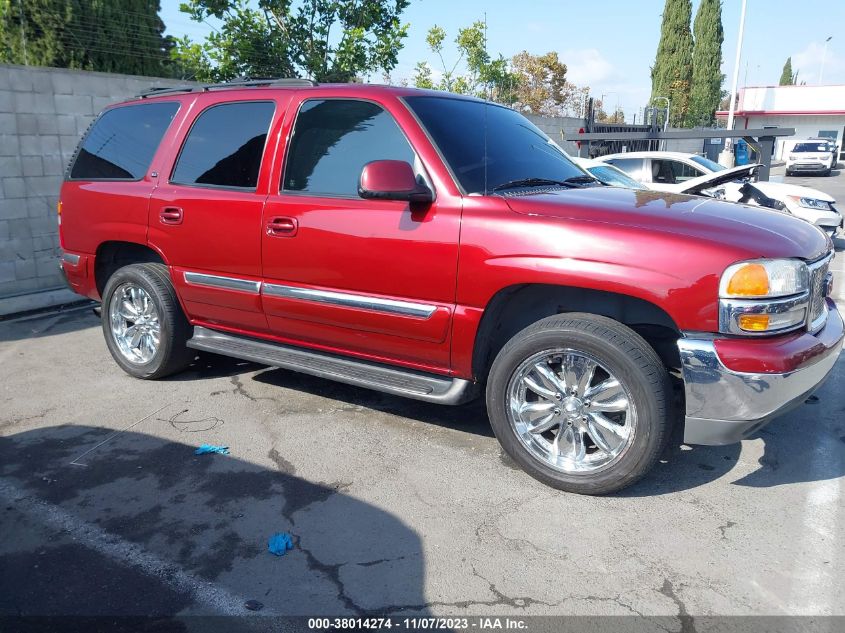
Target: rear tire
143, 323
623, 426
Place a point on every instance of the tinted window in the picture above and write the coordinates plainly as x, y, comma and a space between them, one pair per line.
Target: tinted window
122, 142
708, 164
333, 140
631, 166
486, 145
672, 171
613, 177
225, 145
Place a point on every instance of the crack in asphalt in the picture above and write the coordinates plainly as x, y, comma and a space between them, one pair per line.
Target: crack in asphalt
725, 527
240, 390
687, 621
30, 418
521, 602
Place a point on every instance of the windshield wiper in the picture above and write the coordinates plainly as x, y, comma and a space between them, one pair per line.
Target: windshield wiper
581, 180
533, 182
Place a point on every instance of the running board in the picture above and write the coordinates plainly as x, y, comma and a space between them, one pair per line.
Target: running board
393, 380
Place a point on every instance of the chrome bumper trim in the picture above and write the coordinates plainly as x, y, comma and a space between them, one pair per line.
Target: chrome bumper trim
724, 406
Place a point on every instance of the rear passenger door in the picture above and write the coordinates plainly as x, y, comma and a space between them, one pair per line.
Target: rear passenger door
205, 216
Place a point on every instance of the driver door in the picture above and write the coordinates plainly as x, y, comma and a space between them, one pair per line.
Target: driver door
369, 278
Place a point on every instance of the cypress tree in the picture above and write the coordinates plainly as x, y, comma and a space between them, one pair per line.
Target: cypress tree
786, 77
707, 75
671, 74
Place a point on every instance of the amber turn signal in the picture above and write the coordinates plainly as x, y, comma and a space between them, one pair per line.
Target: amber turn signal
754, 322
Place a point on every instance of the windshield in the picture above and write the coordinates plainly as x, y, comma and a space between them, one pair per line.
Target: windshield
708, 164
613, 177
811, 147
487, 145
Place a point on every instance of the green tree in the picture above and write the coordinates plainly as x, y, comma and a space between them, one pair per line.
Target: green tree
121, 36
325, 40
671, 75
482, 75
707, 77
786, 76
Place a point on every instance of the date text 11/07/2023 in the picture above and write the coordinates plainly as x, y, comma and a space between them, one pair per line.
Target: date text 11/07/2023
418, 623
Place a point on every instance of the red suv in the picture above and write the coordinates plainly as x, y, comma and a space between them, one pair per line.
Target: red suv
436, 246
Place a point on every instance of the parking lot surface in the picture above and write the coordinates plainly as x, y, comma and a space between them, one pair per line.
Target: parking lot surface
394, 506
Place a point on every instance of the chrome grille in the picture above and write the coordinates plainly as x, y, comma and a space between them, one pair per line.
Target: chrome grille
818, 271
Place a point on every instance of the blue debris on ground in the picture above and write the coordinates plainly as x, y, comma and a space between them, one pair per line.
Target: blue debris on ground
211, 448
280, 543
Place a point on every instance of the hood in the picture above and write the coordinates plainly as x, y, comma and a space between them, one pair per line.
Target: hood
779, 190
757, 231
714, 179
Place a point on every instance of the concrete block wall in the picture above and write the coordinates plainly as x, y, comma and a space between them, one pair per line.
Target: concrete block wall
43, 113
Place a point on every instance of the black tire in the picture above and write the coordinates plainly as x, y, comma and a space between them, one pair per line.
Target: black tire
172, 354
628, 357
788, 173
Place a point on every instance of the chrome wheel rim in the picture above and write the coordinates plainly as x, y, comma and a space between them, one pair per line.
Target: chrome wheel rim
570, 411
135, 324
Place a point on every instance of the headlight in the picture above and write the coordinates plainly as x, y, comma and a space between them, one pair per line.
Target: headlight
811, 203
765, 296
793, 157
764, 279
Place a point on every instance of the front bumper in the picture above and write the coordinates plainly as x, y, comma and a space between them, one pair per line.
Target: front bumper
809, 167
724, 406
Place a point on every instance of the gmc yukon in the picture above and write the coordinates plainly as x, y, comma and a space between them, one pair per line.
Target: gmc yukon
440, 247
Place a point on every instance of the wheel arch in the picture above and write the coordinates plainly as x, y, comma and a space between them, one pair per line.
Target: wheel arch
112, 255
516, 307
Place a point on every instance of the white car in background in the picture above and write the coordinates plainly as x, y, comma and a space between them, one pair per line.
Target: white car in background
811, 155
673, 171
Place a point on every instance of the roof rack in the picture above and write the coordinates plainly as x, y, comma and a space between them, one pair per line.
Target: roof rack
245, 82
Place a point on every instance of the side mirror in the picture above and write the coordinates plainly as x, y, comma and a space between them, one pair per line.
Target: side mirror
392, 180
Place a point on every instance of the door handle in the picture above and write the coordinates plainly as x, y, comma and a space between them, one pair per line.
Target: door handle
282, 227
170, 215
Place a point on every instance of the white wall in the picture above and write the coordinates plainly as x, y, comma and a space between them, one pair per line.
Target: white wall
822, 99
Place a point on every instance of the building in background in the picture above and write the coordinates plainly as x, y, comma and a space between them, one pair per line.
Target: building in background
814, 111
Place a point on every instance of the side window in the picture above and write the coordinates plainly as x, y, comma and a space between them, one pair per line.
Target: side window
225, 146
332, 141
672, 171
121, 143
631, 166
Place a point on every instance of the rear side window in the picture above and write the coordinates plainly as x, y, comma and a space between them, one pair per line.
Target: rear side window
122, 142
631, 166
332, 141
225, 146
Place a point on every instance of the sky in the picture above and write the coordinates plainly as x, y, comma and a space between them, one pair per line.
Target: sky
611, 49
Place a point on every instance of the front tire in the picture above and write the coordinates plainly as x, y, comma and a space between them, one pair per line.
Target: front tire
580, 402
145, 329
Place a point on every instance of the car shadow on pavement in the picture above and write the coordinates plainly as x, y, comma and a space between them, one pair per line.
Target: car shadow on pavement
142, 527
469, 418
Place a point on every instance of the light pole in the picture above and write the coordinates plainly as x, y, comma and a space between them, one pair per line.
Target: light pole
824, 56
726, 157
665, 121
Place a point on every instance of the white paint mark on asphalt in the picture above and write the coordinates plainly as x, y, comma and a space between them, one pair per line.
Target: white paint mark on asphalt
76, 462
128, 554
